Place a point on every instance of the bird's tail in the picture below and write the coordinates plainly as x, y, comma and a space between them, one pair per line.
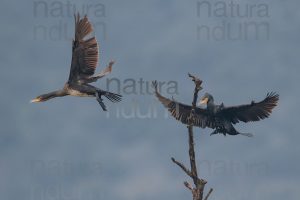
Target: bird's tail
111, 96
247, 134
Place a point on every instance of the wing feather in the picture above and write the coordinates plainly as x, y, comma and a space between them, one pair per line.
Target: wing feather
251, 112
181, 112
85, 50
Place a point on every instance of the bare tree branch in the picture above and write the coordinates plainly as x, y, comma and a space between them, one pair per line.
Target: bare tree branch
188, 185
209, 192
182, 167
192, 156
197, 191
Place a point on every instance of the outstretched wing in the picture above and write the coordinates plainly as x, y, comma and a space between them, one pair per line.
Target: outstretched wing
251, 112
85, 50
181, 112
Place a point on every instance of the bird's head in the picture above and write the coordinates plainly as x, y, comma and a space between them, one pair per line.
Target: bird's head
38, 99
206, 99
46, 97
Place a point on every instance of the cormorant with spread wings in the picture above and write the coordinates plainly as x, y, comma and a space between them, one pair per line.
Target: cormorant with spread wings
83, 66
219, 117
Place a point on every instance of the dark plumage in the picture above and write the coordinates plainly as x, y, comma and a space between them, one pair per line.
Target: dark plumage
83, 66
219, 117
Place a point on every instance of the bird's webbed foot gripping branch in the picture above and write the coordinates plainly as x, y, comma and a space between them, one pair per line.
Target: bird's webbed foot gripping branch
198, 188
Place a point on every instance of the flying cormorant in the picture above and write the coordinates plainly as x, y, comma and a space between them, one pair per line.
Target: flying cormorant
219, 117
83, 66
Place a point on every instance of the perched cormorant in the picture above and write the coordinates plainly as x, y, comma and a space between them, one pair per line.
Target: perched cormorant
219, 117
83, 66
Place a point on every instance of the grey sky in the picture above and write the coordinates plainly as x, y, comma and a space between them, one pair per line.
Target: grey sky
68, 148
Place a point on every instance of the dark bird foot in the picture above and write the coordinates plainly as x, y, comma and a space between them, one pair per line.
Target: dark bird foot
102, 105
100, 101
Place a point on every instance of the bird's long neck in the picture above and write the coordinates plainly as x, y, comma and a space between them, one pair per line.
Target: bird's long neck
50, 95
211, 105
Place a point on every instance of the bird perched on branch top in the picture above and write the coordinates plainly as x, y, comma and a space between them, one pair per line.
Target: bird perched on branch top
219, 117
83, 66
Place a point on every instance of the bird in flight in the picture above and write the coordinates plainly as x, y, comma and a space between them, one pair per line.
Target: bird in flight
83, 65
219, 117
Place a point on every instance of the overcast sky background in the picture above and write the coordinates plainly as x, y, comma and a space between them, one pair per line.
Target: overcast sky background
69, 149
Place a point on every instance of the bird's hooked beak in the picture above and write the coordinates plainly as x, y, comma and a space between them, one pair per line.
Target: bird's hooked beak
36, 100
204, 100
